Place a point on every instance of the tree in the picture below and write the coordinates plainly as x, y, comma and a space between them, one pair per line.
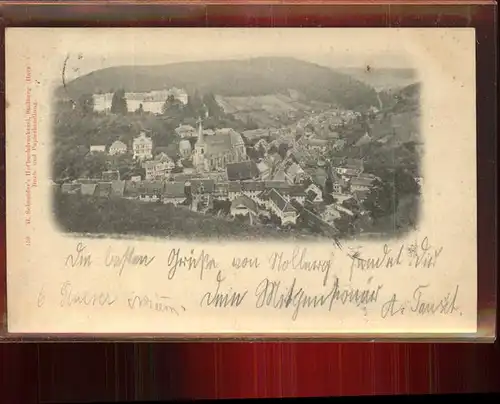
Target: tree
172, 106
85, 104
93, 165
140, 110
347, 225
119, 103
382, 200
250, 124
327, 192
124, 163
282, 149
195, 107
273, 149
405, 183
213, 107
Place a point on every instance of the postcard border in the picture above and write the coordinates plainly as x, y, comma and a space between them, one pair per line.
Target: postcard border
480, 17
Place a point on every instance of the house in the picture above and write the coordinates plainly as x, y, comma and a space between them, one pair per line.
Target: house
185, 131
360, 196
316, 144
166, 160
208, 132
87, 180
298, 155
245, 170
117, 188
142, 147
221, 190
110, 175
132, 189
361, 183
264, 170
202, 186
339, 185
298, 193
151, 191
185, 148
330, 214
174, 193
234, 190
279, 175
88, 189
263, 197
256, 133
294, 174
97, 149
135, 178
318, 175
252, 188
153, 101
158, 169
314, 193
71, 188
103, 189
316, 222
117, 147
348, 167
339, 145
262, 144
282, 186
243, 205
282, 208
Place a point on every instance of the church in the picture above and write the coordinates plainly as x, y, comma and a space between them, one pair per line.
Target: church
213, 153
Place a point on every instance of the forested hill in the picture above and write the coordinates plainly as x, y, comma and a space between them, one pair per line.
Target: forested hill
403, 99
258, 76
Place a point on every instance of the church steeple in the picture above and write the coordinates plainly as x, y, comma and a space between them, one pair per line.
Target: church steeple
200, 131
199, 149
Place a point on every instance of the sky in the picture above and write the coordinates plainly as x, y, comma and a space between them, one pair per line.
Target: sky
339, 48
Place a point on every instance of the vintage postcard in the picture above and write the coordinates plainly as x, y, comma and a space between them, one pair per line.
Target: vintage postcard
243, 181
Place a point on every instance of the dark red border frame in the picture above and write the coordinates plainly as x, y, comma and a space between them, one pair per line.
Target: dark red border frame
479, 15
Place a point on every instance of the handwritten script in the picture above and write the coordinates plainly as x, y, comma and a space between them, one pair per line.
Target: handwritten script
293, 281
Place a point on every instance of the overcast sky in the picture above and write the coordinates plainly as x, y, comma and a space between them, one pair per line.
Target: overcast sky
96, 49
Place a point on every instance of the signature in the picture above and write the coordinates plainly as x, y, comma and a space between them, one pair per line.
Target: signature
422, 304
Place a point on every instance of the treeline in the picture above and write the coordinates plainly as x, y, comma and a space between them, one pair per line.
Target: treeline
241, 78
85, 214
77, 126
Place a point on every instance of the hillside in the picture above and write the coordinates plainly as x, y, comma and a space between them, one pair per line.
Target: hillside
383, 79
395, 133
91, 215
232, 78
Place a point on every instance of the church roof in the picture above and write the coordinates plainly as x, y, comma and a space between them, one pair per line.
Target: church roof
219, 143
223, 141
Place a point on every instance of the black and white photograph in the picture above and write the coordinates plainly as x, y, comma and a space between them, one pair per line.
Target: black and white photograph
302, 141
268, 181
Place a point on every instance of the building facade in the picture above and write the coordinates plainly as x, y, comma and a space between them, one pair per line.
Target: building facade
142, 147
